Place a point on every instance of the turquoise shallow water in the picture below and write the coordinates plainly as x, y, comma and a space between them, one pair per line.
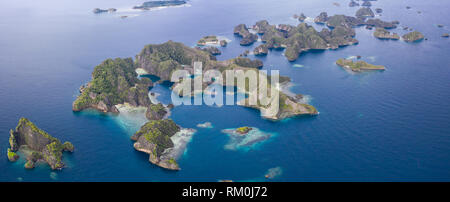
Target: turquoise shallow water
380, 126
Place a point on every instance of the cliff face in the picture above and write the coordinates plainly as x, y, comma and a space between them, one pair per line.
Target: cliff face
247, 37
42, 145
288, 107
162, 59
113, 82
156, 112
154, 139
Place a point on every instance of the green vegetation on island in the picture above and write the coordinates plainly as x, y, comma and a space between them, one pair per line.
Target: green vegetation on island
41, 145
301, 38
382, 33
154, 138
413, 36
208, 40
156, 111
243, 130
247, 37
364, 12
246, 62
182, 57
113, 82
358, 66
12, 156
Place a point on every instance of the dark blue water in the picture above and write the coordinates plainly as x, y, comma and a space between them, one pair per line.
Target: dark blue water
380, 126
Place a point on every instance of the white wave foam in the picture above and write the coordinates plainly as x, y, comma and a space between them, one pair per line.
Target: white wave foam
247, 141
298, 65
131, 118
141, 71
180, 141
205, 125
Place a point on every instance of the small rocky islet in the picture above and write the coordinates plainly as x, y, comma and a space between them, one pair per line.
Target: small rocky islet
358, 66
208, 40
247, 37
37, 146
99, 10
382, 33
154, 139
414, 36
243, 130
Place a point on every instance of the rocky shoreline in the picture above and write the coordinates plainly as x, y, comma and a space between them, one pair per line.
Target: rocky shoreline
40, 146
154, 138
382, 33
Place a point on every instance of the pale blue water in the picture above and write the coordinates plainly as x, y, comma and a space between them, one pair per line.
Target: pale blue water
386, 126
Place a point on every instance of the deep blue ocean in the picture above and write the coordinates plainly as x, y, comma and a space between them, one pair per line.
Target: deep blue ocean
376, 126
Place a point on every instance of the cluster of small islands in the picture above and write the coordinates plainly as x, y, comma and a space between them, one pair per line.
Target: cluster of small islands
116, 81
145, 6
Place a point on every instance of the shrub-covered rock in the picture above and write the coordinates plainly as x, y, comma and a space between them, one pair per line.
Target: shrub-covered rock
42, 145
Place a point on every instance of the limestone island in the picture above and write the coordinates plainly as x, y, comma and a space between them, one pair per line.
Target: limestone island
364, 12
162, 59
358, 66
247, 37
155, 4
115, 82
208, 40
301, 38
382, 33
413, 36
154, 139
36, 145
98, 10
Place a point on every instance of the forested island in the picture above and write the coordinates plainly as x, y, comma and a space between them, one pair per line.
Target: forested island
303, 37
358, 66
154, 4
115, 82
37, 145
